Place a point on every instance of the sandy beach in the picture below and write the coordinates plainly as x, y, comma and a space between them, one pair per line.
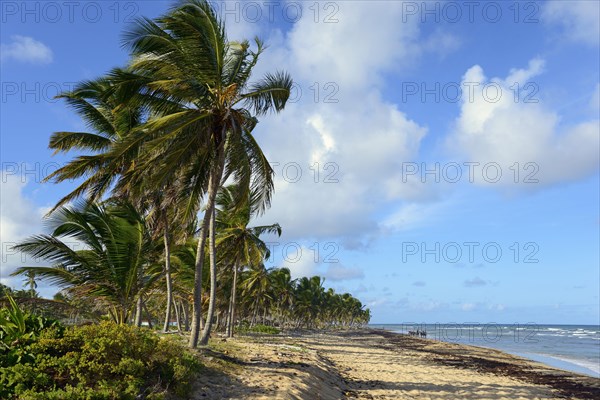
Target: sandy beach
373, 364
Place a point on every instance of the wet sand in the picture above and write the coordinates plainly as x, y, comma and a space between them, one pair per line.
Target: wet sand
375, 364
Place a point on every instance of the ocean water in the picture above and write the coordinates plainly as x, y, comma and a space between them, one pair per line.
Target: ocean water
574, 348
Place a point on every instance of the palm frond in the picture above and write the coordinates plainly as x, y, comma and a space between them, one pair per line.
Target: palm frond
65, 141
270, 93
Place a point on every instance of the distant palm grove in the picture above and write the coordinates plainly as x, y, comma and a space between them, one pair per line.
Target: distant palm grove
160, 230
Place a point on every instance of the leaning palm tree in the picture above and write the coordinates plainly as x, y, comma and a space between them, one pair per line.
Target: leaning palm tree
117, 252
198, 84
240, 244
110, 119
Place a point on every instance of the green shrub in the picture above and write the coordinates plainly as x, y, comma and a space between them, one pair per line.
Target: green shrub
270, 330
18, 329
105, 361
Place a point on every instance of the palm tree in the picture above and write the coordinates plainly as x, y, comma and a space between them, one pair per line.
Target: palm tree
160, 208
256, 288
240, 245
117, 253
111, 118
309, 299
283, 291
184, 262
30, 281
184, 67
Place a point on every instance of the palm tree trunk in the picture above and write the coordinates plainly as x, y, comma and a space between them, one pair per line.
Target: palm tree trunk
213, 185
148, 314
177, 316
232, 302
213, 282
122, 315
228, 319
186, 319
254, 313
197, 306
138, 312
167, 241
197, 296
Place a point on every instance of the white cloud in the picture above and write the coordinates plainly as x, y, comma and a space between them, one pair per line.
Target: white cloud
338, 272
468, 306
300, 262
25, 49
580, 19
354, 58
239, 24
364, 137
355, 175
305, 261
502, 130
19, 218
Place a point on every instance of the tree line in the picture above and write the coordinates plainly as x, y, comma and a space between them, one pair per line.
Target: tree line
170, 179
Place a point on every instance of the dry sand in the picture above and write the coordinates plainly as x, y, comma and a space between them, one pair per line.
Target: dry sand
370, 364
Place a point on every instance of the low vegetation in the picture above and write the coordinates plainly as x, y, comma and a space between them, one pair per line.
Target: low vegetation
44, 360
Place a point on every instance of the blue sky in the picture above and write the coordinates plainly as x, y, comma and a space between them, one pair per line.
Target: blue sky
513, 238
